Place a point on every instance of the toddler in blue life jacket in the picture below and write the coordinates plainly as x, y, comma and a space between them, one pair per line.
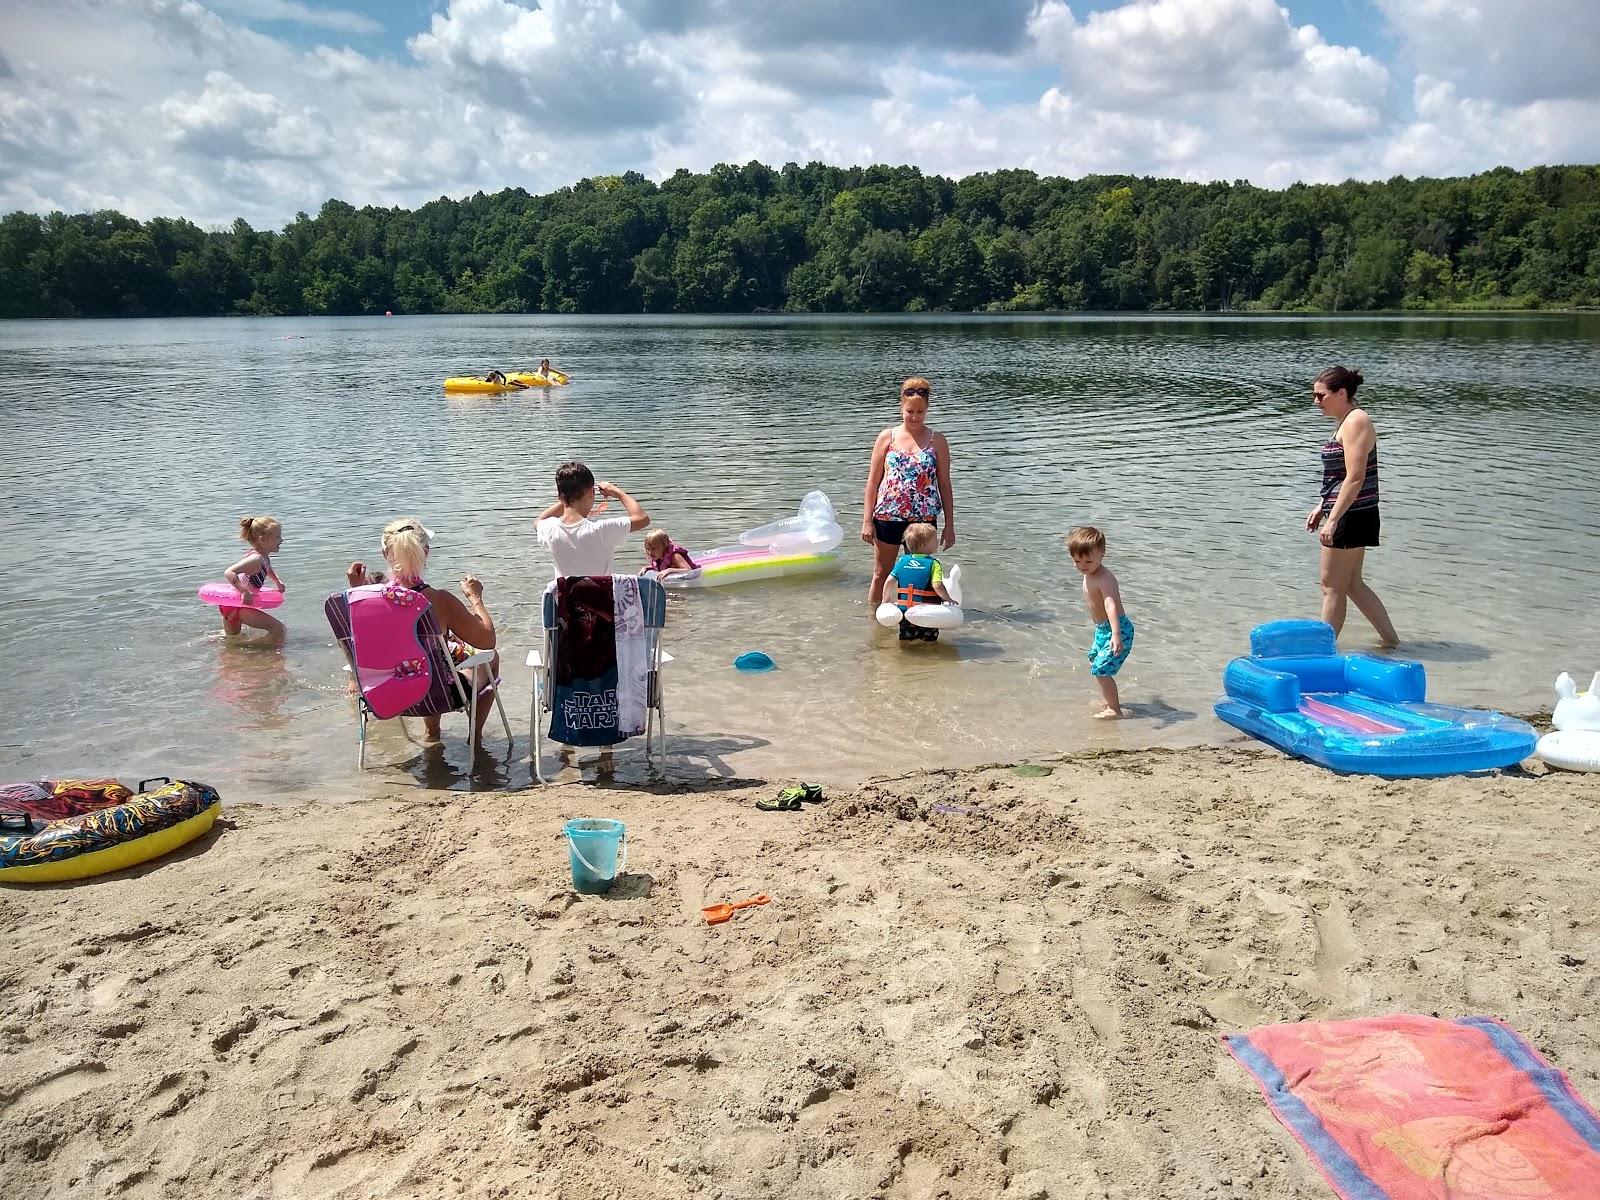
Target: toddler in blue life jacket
916, 578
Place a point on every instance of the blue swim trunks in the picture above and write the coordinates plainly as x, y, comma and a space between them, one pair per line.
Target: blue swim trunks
1101, 660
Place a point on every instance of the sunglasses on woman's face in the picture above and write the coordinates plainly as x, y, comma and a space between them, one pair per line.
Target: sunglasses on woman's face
916, 391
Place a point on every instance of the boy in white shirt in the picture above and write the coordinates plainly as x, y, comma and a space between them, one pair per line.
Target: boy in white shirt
578, 543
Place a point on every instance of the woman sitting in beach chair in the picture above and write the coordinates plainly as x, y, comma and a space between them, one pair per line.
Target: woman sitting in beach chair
458, 666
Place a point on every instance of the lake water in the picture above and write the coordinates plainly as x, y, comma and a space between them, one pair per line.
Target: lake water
131, 449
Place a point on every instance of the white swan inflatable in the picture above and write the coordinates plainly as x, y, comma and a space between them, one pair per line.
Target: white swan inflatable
1575, 744
929, 616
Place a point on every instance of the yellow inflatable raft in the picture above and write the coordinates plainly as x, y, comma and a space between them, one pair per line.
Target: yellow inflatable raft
75, 828
515, 382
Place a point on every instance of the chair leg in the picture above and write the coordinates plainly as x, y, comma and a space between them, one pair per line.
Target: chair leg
504, 720
535, 707
661, 724
361, 740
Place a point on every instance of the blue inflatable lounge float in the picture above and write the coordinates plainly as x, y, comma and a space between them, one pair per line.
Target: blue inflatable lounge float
1358, 713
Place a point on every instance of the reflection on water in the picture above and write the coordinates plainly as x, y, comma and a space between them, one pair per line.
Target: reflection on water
254, 682
132, 448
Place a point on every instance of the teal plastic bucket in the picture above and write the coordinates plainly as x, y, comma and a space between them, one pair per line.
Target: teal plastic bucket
598, 849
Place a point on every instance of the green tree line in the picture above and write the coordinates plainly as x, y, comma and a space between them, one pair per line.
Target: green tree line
817, 238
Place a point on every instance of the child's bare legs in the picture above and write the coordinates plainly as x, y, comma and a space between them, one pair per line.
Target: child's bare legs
1108, 693
257, 619
230, 622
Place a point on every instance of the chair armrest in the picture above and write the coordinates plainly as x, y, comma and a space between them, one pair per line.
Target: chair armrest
536, 658
481, 659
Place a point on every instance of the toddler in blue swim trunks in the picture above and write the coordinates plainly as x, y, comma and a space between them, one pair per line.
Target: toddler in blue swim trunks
1113, 632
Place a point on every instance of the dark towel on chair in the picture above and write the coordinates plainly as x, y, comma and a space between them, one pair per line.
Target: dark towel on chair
584, 711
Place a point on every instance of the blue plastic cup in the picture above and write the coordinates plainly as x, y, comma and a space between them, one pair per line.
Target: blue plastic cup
594, 846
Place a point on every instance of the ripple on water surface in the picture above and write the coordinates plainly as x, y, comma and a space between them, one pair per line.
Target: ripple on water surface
132, 448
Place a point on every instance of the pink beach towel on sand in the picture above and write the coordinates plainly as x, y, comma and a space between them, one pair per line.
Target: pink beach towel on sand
1418, 1108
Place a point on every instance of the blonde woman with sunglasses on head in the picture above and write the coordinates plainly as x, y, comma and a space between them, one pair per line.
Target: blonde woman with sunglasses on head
908, 482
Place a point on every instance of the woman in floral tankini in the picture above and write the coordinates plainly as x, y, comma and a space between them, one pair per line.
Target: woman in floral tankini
908, 481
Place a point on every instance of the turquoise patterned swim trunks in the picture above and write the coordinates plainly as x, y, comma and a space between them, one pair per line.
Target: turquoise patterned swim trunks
1101, 660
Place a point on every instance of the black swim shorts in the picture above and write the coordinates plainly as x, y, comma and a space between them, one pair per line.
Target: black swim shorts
1357, 528
893, 533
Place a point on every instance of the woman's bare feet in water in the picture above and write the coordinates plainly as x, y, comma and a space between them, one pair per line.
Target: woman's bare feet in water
1108, 714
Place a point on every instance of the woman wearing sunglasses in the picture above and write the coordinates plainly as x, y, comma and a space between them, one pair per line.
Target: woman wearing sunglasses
1346, 518
908, 482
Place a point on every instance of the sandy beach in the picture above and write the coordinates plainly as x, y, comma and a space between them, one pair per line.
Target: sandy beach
967, 984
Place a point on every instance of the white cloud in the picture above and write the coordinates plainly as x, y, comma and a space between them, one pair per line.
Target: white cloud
1240, 69
1156, 50
1454, 134
337, 19
191, 110
1497, 84
1510, 51
227, 119
582, 64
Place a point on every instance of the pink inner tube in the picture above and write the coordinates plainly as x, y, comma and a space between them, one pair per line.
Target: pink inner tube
223, 595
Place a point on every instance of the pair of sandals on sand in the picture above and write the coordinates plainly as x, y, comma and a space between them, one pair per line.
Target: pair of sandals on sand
792, 798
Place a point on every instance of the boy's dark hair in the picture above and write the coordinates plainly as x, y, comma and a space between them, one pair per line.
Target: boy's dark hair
573, 479
1085, 538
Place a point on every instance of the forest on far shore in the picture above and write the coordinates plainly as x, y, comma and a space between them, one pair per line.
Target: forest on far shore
817, 238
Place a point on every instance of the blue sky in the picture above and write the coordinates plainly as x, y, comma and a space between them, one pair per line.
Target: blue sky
258, 108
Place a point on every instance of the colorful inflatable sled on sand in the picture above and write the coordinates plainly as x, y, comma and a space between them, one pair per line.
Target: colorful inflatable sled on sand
1358, 713
55, 830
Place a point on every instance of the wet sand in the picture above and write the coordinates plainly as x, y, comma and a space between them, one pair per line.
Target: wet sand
967, 984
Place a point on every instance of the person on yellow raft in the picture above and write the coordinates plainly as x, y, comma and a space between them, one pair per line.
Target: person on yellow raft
494, 381
550, 373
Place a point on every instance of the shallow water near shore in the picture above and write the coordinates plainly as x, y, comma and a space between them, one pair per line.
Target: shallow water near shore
133, 447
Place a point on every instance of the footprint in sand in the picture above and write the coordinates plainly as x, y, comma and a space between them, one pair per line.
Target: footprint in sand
1094, 947
1336, 950
56, 1086
691, 893
898, 1020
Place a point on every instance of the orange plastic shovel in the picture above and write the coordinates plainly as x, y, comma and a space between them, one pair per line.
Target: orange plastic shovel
716, 914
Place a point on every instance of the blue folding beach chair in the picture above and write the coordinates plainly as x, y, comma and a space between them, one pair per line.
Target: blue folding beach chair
544, 659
